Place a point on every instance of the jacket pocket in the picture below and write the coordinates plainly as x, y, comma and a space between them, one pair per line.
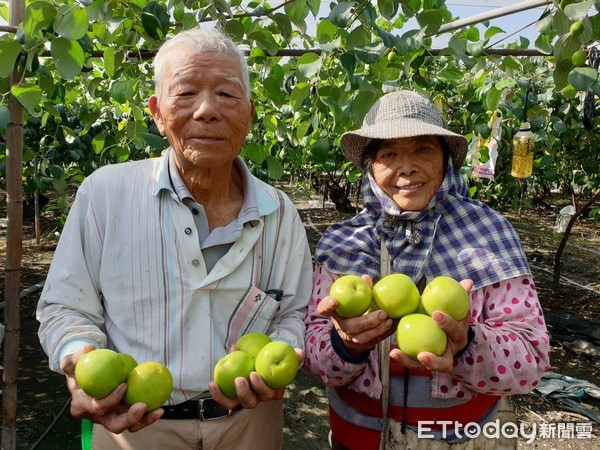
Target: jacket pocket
254, 313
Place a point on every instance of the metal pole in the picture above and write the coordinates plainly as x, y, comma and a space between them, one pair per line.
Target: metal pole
493, 14
14, 252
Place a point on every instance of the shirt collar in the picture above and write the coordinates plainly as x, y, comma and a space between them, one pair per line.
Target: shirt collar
257, 200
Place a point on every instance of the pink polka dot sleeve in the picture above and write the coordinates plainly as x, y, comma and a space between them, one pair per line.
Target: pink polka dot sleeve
320, 359
510, 349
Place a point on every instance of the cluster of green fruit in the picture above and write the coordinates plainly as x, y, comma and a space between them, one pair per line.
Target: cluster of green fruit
275, 361
100, 371
399, 297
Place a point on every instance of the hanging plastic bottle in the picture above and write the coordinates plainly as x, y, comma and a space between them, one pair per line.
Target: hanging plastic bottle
523, 143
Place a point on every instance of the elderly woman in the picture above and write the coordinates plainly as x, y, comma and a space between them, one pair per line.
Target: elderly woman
418, 220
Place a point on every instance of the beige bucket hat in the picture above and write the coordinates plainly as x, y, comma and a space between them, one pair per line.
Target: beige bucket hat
398, 115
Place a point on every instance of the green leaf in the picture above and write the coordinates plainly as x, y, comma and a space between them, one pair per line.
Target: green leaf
362, 103
256, 55
319, 152
358, 37
370, 54
471, 34
275, 168
341, 14
38, 15
109, 62
301, 129
387, 8
272, 88
9, 51
155, 20
315, 6
29, 95
348, 62
60, 185
284, 25
71, 22
297, 11
254, 152
504, 83
508, 62
409, 42
68, 56
300, 92
389, 40
431, 20
565, 46
491, 32
309, 65
235, 28
155, 141
265, 40
122, 90
4, 12
4, 118
270, 122
476, 49
544, 43
492, 99
583, 78
451, 75
578, 11
561, 74
410, 7
326, 31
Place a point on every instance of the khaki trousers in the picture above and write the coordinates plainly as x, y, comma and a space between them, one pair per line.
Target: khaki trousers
247, 429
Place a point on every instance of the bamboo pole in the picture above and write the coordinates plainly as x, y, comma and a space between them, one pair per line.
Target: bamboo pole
14, 253
494, 14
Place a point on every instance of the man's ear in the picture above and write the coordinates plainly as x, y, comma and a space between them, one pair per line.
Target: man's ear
156, 115
253, 107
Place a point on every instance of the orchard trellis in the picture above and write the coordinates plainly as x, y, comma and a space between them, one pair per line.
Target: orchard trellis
80, 73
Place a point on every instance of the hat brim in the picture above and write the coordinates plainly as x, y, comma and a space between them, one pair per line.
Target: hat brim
353, 143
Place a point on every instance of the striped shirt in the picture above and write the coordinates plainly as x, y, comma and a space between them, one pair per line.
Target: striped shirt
129, 274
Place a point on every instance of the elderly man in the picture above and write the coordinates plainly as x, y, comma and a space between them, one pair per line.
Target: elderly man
171, 259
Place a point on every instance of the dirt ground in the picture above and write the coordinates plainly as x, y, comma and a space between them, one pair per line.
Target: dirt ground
44, 421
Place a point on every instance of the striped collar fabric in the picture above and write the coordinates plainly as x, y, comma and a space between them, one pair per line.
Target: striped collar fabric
454, 236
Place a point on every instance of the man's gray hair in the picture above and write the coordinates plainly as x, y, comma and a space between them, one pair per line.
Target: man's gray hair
198, 40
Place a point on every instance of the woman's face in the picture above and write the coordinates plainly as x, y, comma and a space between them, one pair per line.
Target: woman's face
410, 170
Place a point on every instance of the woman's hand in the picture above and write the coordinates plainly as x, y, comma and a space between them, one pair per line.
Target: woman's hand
456, 333
362, 333
110, 411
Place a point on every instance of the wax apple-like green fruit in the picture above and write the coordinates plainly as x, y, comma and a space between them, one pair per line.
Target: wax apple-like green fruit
251, 343
447, 295
277, 363
99, 372
353, 295
576, 28
229, 367
418, 333
397, 295
129, 363
578, 58
151, 383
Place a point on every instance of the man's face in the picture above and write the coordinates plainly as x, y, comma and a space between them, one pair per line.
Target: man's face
410, 170
203, 110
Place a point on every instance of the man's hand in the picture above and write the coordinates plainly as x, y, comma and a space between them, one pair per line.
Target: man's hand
110, 411
249, 394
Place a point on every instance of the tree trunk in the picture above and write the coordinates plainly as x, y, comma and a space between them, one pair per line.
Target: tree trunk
14, 252
565, 238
